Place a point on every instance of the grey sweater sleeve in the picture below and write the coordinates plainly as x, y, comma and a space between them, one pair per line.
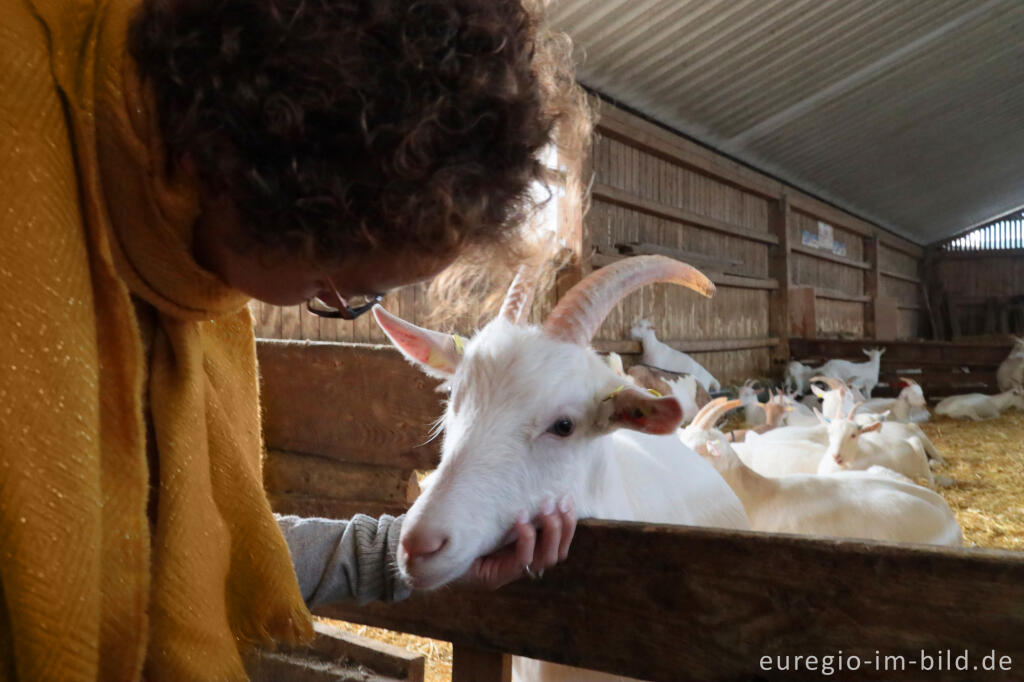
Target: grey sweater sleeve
337, 560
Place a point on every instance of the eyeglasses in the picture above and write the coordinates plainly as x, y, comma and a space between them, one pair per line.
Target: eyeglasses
351, 308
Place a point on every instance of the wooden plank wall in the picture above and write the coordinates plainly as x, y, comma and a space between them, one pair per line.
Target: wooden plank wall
971, 278
660, 190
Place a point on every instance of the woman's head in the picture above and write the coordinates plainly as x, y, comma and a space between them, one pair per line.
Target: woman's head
351, 127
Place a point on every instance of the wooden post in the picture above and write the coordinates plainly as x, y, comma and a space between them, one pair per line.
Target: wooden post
470, 664
872, 287
778, 269
571, 228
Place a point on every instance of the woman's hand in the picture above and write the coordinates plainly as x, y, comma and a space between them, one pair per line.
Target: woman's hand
533, 546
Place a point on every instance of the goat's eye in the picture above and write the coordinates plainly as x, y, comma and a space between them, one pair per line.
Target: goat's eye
562, 427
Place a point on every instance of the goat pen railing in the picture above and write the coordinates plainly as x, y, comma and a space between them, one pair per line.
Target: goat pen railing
674, 603
345, 427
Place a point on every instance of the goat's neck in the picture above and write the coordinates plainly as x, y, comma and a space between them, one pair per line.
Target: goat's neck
751, 487
900, 410
604, 493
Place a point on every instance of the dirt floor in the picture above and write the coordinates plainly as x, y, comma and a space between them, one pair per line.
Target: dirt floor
984, 459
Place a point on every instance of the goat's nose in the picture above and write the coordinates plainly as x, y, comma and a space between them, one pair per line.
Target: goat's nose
423, 543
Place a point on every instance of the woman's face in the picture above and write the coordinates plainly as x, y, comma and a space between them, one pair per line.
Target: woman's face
282, 278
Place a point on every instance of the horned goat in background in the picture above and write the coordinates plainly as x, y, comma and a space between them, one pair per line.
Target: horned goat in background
859, 375
534, 413
663, 356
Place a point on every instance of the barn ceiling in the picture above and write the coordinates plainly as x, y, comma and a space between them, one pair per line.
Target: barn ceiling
909, 113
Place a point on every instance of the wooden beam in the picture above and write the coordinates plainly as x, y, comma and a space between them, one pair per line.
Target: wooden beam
897, 243
831, 257
741, 282
679, 603
872, 289
698, 260
619, 197
803, 319
330, 508
779, 269
832, 294
356, 403
816, 208
336, 655
470, 664
652, 139
900, 275
973, 255
687, 345
290, 473
908, 353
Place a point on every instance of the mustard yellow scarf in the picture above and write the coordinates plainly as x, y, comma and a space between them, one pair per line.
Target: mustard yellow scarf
89, 218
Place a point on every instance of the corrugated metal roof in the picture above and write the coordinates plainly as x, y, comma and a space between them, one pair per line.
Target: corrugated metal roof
909, 113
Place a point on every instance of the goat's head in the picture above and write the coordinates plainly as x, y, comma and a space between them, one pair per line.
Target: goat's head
843, 432
874, 354
641, 329
526, 407
912, 393
835, 401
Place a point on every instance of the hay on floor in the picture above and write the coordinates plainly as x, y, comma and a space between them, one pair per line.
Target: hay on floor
986, 462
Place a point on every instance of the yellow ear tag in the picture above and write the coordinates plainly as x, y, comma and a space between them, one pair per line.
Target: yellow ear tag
459, 344
614, 393
654, 393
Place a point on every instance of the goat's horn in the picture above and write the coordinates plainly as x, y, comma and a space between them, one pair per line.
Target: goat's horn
700, 419
834, 384
719, 411
516, 306
581, 311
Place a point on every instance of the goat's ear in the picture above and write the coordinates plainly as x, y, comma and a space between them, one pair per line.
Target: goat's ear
435, 353
868, 429
818, 392
641, 411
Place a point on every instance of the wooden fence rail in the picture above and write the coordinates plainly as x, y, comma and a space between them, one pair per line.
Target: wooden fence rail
675, 603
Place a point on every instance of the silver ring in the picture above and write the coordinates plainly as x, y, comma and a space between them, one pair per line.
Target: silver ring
531, 574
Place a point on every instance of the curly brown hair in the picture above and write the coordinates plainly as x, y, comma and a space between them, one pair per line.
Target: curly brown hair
341, 126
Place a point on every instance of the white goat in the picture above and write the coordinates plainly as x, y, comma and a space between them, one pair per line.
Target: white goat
1011, 370
663, 356
838, 399
786, 450
909, 406
862, 375
753, 412
534, 413
797, 377
869, 505
900, 447
978, 406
